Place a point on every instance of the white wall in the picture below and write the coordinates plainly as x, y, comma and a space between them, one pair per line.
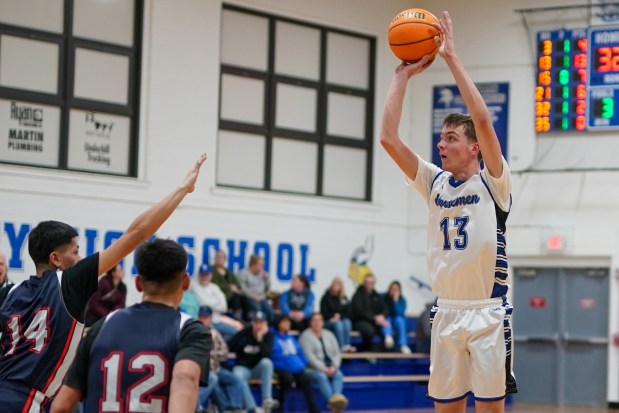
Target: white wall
179, 116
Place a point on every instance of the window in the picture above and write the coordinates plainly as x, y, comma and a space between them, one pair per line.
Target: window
69, 81
296, 106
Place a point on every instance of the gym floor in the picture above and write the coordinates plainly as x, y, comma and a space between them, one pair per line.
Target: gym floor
518, 408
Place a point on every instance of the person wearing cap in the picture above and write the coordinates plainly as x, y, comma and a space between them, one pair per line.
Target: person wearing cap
324, 358
298, 302
225, 387
289, 363
238, 303
253, 347
209, 294
255, 284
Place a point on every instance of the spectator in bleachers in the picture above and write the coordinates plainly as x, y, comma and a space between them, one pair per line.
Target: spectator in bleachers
225, 387
424, 329
4, 273
238, 303
289, 363
324, 358
111, 295
189, 304
298, 302
253, 347
209, 294
335, 309
396, 310
368, 314
255, 284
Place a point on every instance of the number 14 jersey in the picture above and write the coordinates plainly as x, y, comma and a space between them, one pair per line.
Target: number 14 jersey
466, 232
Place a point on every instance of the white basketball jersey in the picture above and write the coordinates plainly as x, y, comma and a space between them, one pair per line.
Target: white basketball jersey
466, 232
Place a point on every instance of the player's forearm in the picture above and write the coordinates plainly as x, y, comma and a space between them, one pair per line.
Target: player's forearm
470, 94
392, 113
66, 400
147, 223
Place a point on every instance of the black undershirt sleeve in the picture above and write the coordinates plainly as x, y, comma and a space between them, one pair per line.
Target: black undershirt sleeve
78, 284
195, 344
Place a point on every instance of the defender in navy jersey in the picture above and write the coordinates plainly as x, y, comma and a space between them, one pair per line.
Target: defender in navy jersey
148, 357
42, 318
471, 346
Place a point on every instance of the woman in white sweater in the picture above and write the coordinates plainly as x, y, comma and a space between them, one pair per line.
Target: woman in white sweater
324, 358
208, 294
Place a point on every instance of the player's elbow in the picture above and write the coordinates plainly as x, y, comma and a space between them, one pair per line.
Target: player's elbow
388, 141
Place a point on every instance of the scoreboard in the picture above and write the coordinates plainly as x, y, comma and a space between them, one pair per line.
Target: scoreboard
577, 80
603, 78
561, 90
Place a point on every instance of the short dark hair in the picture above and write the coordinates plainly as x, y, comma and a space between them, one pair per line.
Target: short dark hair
253, 259
304, 280
460, 119
46, 237
162, 262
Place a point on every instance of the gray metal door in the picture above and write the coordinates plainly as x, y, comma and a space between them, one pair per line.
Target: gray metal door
561, 333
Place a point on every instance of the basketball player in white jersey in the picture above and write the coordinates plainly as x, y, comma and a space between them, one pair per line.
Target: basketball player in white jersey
471, 350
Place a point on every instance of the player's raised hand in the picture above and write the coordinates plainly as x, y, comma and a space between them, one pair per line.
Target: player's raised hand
411, 69
192, 175
446, 43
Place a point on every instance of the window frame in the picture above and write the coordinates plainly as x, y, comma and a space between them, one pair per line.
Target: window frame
272, 79
64, 98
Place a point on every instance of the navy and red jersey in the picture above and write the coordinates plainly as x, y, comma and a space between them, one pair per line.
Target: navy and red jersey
125, 362
41, 321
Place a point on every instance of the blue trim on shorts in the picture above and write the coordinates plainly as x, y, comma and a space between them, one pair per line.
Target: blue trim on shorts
455, 399
489, 399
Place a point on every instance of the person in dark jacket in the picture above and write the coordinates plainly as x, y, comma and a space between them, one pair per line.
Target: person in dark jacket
290, 362
111, 295
253, 347
238, 303
335, 309
368, 314
298, 302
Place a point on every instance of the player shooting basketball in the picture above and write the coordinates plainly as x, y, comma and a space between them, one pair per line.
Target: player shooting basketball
471, 350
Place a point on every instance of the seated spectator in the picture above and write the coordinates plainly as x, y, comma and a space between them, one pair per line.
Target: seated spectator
238, 303
4, 274
208, 294
396, 309
225, 387
253, 346
189, 304
335, 309
298, 302
324, 358
424, 329
255, 284
110, 296
289, 363
368, 314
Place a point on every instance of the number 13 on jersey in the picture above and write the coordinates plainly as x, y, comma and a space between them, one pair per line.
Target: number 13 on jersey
461, 239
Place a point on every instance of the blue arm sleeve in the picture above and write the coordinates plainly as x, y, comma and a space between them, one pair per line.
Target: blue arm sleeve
283, 303
309, 305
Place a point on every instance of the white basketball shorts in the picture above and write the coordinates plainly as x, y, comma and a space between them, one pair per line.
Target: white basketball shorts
471, 350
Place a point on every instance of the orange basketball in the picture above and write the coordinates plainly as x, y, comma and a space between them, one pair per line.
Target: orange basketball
411, 35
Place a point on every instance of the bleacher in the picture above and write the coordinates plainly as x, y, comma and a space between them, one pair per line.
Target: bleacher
374, 380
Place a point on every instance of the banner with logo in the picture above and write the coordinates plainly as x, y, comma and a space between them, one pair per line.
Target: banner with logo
99, 142
29, 133
447, 99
